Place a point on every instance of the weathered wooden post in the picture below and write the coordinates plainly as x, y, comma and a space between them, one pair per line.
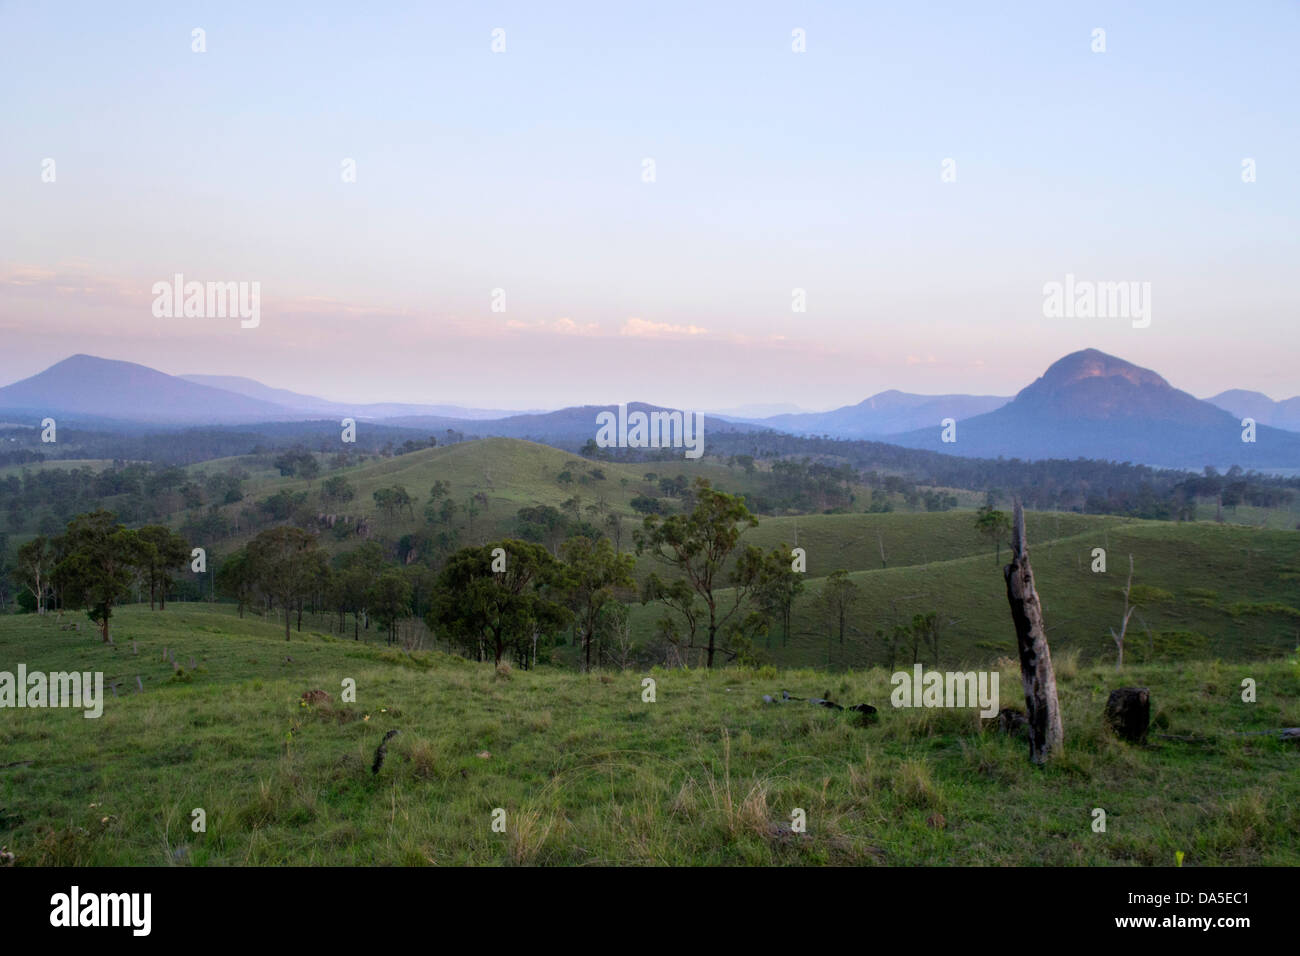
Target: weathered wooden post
1044, 712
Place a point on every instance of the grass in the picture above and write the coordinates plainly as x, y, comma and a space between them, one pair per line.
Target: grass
1234, 586
589, 774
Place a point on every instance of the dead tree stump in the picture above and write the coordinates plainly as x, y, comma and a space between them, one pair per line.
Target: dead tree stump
1043, 709
1128, 713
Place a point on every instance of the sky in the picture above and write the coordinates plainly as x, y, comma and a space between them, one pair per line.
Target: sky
524, 170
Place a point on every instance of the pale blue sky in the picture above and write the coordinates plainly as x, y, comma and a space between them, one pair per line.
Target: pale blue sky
775, 170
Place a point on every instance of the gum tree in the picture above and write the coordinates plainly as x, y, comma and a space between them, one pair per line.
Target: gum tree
100, 559
593, 571
162, 551
697, 546
286, 564
499, 609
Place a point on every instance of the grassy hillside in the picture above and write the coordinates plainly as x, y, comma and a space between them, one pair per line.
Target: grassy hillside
512, 473
1230, 592
588, 773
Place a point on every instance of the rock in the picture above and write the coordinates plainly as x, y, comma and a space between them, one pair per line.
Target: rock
1128, 713
1013, 721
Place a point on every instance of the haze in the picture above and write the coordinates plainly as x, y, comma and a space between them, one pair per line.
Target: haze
522, 171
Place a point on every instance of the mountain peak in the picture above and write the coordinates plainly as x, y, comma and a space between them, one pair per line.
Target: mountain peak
1096, 364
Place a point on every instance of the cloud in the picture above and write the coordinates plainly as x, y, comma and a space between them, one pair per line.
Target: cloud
561, 326
640, 328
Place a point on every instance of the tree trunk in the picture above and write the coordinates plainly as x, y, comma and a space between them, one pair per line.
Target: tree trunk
1036, 673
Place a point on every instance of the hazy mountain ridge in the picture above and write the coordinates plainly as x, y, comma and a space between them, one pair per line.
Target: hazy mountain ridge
1257, 405
1085, 405
310, 404
1093, 405
887, 413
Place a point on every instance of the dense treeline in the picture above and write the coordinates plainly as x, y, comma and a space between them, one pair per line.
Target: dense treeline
44, 500
1080, 485
21, 446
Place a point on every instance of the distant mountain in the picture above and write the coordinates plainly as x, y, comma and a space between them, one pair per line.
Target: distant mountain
1257, 405
312, 405
887, 413
91, 389
1093, 405
753, 412
566, 427
1087, 404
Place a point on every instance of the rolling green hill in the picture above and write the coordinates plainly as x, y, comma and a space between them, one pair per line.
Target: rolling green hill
1230, 590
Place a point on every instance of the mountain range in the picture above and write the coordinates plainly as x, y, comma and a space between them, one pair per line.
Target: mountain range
1257, 405
1087, 404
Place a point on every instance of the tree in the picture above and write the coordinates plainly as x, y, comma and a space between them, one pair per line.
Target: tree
447, 512
471, 512
35, 562
503, 608
542, 524
337, 488
99, 563
593, 571
1129, 608
297, 462
389, 600
993, 524
697, 546
234, 579
287, 563
777, 587
356, 572
614, 521
162, 551
837, 597
925, 633
309, 469
8, 572
392, 501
